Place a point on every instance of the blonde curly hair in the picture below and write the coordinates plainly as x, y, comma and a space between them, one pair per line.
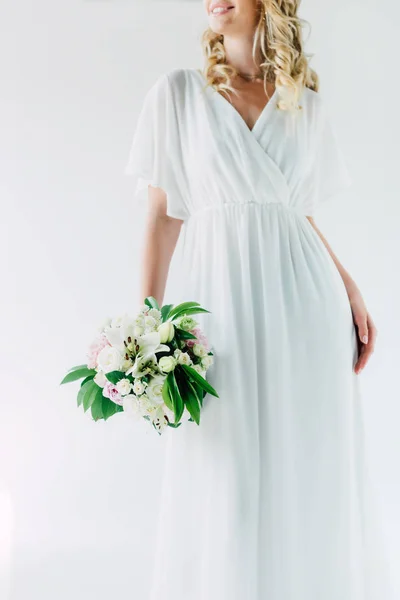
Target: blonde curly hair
278, 37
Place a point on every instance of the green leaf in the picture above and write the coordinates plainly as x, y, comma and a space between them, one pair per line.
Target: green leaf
182, 307
165, 312
184, 335
194, 375
178, 405
97, 408
84, 389
190, 311
78, 373
90, 391
86, 379
175, 425
109, 408
166, 394
190, 398
115, 376
151, 302
199, 391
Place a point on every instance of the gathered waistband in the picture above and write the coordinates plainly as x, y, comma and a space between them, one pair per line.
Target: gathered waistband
225, 205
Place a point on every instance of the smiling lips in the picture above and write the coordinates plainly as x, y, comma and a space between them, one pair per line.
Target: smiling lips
220, 8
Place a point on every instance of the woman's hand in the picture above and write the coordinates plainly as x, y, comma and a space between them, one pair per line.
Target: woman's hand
363, 322
365, 327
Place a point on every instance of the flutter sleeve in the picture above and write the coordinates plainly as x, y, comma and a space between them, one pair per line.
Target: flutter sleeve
155, 154
328, 174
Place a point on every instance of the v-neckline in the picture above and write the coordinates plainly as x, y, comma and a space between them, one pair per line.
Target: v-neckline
264, 111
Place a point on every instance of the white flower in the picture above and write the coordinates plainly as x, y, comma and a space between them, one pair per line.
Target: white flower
121, 330
143, 365
100, 379
170, 413
137, 408
143, 405
109, 359
155, 313
131, 347
184, 359
149, 404
140, 406
124, 386
154, 389
166, 331
150, 343
131, 406
160, 421
167, 363
207, 361
177, 352
146, 360
199, 350
143, 309
150, 323
126, 364
187, 323
138, 387
199, 369
138, 330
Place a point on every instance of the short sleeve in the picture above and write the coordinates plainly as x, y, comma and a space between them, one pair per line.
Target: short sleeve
155, 156
328, 174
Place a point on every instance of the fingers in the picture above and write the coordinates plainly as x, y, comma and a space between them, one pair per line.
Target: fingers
363, 358
362, 326
366, 349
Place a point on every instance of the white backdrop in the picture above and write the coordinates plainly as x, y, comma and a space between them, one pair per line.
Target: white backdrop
78, 499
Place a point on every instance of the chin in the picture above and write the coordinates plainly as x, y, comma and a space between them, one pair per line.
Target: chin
222, 28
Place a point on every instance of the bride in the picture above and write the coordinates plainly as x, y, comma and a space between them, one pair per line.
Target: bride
269, 498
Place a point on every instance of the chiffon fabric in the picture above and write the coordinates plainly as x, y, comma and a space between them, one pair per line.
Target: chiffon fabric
270, 497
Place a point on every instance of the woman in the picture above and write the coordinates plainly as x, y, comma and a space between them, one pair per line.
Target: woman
268, 498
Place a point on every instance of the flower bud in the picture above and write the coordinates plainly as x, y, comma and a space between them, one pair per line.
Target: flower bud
166, 331
167, 363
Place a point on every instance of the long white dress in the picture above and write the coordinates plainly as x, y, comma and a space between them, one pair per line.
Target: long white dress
268, 499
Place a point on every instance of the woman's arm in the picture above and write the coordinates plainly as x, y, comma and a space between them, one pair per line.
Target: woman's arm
367, 331
160, 239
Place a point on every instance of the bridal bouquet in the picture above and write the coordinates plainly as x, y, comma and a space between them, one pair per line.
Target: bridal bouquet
153, 366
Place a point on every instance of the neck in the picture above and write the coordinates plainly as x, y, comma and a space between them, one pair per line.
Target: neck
239, 55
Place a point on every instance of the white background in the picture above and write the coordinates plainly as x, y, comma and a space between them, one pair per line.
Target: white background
78, 499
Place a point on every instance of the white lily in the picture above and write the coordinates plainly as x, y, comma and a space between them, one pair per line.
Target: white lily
143, 365
159, 420
117, 335
150, 343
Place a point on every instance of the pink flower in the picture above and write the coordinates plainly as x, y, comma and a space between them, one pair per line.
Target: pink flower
200, 338
94, 350
110, 391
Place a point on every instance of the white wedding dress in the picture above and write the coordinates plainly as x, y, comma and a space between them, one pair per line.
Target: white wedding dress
269, 498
